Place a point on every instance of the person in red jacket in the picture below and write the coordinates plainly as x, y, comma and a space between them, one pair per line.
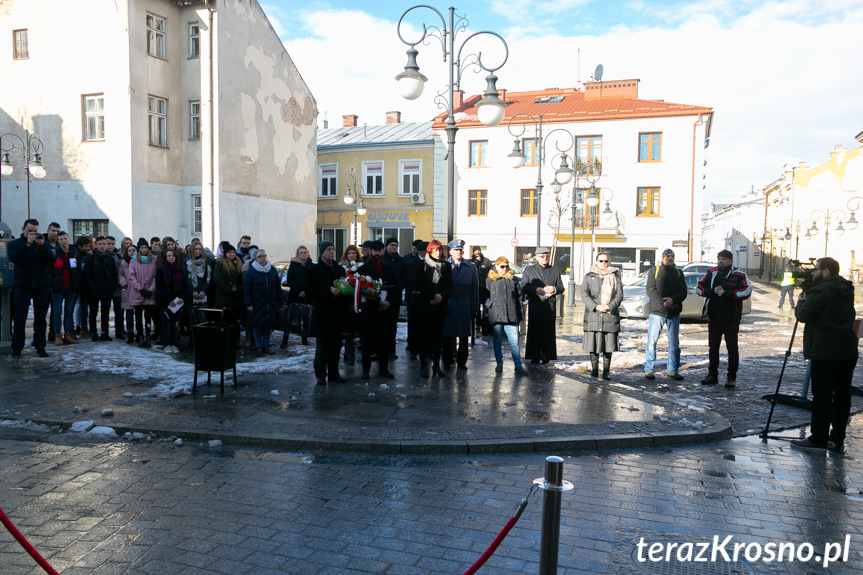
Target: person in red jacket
64, 289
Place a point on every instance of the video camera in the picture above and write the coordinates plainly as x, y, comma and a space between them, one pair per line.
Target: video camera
803, 274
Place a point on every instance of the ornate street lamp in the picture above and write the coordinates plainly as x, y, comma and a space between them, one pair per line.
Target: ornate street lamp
357, 189
830, 216
31, 150
411, 82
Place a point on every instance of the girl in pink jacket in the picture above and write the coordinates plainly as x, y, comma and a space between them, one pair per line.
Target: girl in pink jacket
142, 291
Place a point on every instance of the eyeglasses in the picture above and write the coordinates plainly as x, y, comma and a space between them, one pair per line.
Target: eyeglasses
503, 266
602, 261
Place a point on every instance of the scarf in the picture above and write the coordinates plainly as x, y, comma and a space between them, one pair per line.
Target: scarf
197, 269
263, 269
172, 276
609, 282
142, 259
437, 265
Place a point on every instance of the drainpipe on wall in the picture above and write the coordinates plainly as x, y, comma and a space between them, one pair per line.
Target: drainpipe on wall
692, 191
212, 136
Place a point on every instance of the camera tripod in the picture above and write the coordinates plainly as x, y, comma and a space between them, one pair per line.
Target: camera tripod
776, 397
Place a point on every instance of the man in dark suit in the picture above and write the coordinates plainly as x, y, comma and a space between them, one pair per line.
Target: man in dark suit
328, 313
33, 261
377, 333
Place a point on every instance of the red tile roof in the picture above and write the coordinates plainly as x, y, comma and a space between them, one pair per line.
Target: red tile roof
574, 107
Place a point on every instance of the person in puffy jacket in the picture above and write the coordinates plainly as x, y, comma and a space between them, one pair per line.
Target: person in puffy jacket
262, 294
601, 292
129, 252
228, 281
142, 296
170, 291
504, 311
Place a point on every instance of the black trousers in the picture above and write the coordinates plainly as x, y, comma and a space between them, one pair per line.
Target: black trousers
377, 338
21, 306
831, 399
430, 334
95, 304
327, 349
449, 350
716, 330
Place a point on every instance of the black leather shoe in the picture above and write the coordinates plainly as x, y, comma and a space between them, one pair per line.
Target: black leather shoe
321, 381
366, 375
462, 367
387, 374
337, 379
424, 369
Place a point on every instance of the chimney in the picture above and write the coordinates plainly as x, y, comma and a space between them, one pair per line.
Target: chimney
611, 89
326, 124
349, 121
394, 117
458, 99
501, 93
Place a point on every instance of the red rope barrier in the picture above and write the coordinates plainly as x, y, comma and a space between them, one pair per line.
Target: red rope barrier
26, 544
498, 540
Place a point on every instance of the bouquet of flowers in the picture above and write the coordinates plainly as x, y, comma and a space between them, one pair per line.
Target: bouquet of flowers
361, 287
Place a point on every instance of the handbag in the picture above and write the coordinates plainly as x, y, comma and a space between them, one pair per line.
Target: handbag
299, 310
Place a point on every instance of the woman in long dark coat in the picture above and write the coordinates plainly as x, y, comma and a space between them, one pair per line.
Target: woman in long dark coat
262, 294
601, 292
504, 311
434, 286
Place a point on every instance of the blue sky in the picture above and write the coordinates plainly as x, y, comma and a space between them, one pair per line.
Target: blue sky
782, 76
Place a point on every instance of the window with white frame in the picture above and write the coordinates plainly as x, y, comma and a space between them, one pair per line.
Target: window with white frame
197, 215
373, 175
328, 175
20, 44
158, 112
194, 40
156, 36
410, 177
94, 117
195, 120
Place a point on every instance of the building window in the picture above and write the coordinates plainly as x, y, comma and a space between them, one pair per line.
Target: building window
477, 203
589, 150
477, 153
410, 177
194, 40
528, 203
158, 122
156, 36
405, 236
197, 215
650, 147
531, 151
20, 45
339, 237
648, 202
195, 120
92, 228
373, 174
94, 117
327, 180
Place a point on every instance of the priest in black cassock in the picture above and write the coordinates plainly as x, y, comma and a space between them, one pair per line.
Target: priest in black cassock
541, 284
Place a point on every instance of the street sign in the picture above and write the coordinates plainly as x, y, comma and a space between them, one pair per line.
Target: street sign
514, 242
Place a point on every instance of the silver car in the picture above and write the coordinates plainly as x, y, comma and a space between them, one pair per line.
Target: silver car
635, 300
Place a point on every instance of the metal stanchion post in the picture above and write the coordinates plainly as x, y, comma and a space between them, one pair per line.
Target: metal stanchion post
554, 485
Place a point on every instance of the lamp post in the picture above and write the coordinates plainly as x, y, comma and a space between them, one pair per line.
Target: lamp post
357, 189
592, 201
490, 109
31, 150
836, 215
562, 175
577, 204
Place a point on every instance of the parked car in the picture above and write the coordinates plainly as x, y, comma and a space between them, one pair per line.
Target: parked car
635, 301
700, 267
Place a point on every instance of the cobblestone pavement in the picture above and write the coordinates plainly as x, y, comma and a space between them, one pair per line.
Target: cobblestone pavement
154, 509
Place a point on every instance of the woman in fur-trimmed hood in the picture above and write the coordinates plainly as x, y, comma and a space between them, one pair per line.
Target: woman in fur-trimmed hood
504, 311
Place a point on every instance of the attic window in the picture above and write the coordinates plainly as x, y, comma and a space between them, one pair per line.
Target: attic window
549, 99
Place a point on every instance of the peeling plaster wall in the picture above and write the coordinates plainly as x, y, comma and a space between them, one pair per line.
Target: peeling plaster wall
267, 135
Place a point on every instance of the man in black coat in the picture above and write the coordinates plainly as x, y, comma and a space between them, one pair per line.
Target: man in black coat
377, 327
666, 290
483, 266
830, 345
542, 284
391, 257
329, 310
33, 261
100, 275
413, 271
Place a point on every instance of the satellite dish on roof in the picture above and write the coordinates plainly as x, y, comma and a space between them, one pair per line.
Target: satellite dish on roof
597, 74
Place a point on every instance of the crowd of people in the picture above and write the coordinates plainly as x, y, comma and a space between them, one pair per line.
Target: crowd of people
155, 288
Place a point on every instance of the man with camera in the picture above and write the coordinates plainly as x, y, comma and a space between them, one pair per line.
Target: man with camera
33, 261
830, 345
724, 287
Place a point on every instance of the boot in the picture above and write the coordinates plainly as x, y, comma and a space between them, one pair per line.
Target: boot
350, 352
70, 338
85, 333
58, 339
606, 364
594, 364
424, 367
130, 337
437, 369
147, 339
139, 339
